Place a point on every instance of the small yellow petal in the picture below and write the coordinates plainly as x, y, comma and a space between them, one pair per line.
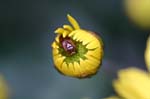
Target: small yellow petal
78, 70
96, 53
88, 64
75, 37
57, 38
71, 68
66, 70
88, 67
68, 27
73, 22
72, 33
59, 30
84, 64
86, 37
91, 60
58, 61
147, 54
83, 67
54, 45
87, 40
65, 33
55, 51
80, 34
94, 44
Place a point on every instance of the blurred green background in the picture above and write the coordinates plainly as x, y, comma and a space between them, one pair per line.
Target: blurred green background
27, 31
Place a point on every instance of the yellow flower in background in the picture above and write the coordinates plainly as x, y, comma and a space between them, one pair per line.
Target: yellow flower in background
147, 54
3, 88
112, 97
76, 52
139, 12
133, 83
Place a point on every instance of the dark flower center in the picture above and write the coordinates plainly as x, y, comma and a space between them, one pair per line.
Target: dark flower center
72, 50
68, 45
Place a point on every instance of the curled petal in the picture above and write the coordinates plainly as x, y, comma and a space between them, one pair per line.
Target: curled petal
73, 22
59, 30
68, 27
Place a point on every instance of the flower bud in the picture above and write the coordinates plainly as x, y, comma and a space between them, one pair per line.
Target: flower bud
77, 52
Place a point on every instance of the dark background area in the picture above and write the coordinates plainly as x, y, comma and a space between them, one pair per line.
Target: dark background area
27, 31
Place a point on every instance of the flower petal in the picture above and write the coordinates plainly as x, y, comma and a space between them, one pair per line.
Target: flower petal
73, 22
68, 27
4, 90
78, 70
66, 70
54, 45
57, 38
55, 51
147, 54
58, 60
59, 30
65, 33
133, 83
94, 44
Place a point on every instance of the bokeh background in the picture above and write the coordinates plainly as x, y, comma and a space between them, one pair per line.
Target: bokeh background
27, 31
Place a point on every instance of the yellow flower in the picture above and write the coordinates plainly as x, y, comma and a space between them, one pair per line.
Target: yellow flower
138, 12
147, 54
3, 88
134, 83
76, 52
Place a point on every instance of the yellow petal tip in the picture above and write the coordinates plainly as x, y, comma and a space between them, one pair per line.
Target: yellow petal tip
73, 22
